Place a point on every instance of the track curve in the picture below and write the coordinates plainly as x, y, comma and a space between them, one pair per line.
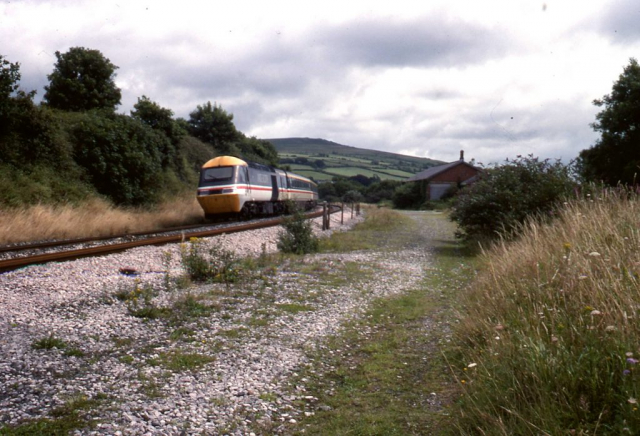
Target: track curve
19, 262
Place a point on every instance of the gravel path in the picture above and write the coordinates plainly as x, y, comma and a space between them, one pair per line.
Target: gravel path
217, 364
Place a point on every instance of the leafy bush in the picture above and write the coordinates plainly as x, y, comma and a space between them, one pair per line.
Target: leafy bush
210, 264
507, 195
297, 237
408, 196
121, 156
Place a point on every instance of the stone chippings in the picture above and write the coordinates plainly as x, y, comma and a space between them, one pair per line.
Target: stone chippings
254, 347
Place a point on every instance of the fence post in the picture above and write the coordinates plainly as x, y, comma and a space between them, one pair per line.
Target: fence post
352, 210
358, 209
342, 213
329, 216
324, 216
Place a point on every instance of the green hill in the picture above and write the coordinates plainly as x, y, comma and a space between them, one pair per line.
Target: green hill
322, 160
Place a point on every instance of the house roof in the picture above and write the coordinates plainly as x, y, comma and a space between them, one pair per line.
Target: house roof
430, 173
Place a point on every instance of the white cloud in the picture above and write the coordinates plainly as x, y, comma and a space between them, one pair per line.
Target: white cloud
424, 78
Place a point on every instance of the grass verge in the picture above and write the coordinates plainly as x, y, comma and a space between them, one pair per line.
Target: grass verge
385, 373
548, 339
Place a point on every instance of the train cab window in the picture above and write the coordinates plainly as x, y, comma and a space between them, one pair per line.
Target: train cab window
216, 176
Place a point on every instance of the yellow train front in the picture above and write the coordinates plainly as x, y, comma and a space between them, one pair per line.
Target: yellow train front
232, 187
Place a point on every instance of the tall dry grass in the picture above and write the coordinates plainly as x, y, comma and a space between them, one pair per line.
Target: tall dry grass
549, 331
94, 218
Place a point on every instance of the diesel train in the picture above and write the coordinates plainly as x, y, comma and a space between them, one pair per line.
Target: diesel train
232, 187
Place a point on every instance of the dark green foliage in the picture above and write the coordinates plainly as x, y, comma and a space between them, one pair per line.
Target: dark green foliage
352, 197
25, 129
41, 184
382, 190
616, 155
195, 152
9, 79
210, 264
122, 157
82, 79
297, 237
507, 195
258, 150
408, 196
48, 343
161, 119
213, 125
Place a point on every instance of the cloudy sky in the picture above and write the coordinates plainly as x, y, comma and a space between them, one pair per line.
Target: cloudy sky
426, 78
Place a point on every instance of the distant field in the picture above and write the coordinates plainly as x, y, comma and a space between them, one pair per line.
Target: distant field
318, 177
399, 173
343, 160
354, 171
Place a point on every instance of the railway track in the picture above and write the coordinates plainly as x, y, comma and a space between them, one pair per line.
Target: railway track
58, 256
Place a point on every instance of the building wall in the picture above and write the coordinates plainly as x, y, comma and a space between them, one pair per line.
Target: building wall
437, 190
459, 173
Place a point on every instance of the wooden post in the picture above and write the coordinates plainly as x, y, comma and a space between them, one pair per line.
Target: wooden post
329, 216
342, 213
351, 210
324, 216
358, 209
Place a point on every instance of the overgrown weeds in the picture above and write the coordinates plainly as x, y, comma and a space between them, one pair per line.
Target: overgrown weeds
297, 236
64, 419
210, 263
48, 343
549, 333
92, 218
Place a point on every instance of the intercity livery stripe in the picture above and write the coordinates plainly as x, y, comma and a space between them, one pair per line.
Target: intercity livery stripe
252, 187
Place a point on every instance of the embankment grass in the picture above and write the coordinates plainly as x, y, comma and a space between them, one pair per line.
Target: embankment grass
384, 374
549, 331
93, 218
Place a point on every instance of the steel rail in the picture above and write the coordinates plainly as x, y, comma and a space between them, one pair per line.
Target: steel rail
19, 262
61, 243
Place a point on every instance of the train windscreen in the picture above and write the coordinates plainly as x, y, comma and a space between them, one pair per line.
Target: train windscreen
216, 176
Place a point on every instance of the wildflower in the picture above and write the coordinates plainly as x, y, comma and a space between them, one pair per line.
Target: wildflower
497, 338
589, 308
472, 365
626, 372
596, 313
554, 339
632, 361
582, 277
594, 254
610, 328
463, 381
629, 354
632, 401
499, 327
566, 246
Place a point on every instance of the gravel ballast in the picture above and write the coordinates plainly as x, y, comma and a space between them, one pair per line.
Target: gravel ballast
221, 369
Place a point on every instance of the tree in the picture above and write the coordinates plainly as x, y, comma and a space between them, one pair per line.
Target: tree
616, 155
213, 125
120, 155
160, 119
25, 129
82, 79
258, 150
407, 196
11, 97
